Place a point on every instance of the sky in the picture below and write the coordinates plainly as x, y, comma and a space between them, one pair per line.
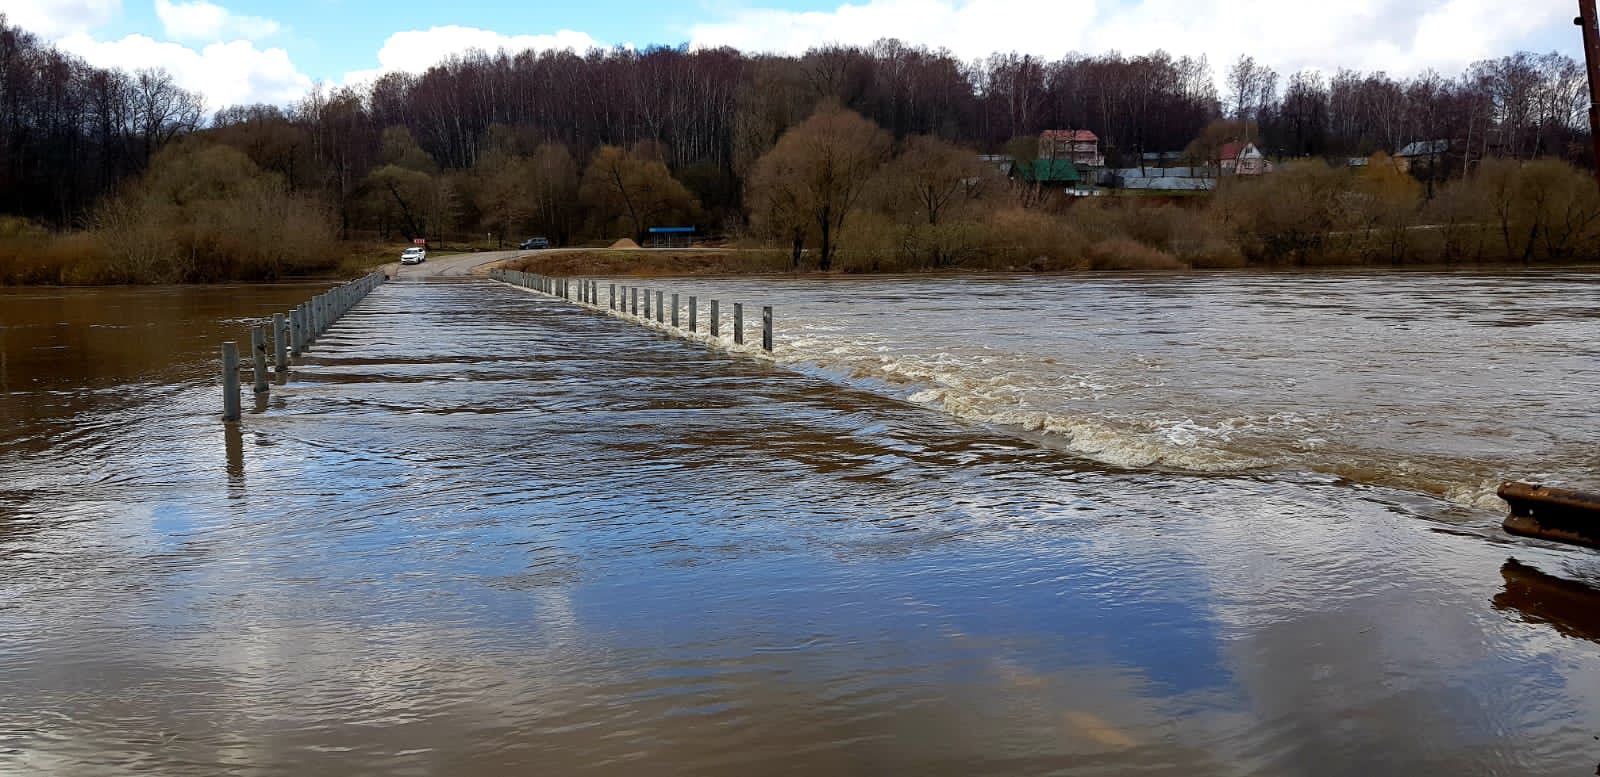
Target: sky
246, 51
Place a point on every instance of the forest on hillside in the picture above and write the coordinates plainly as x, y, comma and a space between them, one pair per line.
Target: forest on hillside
868, 155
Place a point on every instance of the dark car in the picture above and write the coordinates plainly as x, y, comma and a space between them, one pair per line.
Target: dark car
534, 242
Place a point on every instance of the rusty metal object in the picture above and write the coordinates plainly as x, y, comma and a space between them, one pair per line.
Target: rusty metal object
1590, 23
1552, 513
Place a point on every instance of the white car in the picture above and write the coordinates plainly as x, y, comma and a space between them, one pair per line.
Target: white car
413, 255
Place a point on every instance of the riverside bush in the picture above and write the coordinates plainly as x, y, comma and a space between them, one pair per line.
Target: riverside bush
201, 213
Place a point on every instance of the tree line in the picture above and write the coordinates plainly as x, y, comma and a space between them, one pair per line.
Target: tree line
607, 143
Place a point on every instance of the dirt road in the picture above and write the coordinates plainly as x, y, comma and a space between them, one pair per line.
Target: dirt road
454, 265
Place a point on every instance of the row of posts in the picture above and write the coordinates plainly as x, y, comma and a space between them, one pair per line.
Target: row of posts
587, 292
291, 334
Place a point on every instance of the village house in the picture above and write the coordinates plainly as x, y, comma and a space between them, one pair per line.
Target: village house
1421, 154
1053, 173
1081, 147
1244, 159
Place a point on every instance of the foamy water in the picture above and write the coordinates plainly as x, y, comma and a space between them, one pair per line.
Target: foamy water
1445, 383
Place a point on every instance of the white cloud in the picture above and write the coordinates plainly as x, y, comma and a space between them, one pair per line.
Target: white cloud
1399, 36
51, 19
414, 51
226, 73
203, 21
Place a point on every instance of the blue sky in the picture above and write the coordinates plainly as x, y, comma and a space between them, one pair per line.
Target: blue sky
252, 50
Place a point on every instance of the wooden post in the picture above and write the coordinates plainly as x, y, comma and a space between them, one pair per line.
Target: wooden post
766, 328
230, 381
258, 356
280, 343
716, 320
660, 318
675, 310
738, 323
694, 320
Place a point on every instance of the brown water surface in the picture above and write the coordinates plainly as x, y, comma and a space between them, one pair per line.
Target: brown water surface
482, 532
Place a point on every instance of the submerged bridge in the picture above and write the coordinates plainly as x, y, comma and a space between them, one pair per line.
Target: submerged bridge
1545, 513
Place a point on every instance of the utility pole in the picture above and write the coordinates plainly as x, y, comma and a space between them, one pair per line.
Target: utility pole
1590, 23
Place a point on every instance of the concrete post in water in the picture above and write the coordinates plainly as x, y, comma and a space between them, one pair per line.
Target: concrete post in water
280, 343
660, 316
694, 321
230, 381
738, 323
766, 328
258, 356
297, 331
675, 310
613, 296
716, 320
635, 292
647, 304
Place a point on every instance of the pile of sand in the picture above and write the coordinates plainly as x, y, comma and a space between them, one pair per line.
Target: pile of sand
625, 243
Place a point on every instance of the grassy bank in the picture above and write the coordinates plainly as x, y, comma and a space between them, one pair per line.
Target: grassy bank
663, 262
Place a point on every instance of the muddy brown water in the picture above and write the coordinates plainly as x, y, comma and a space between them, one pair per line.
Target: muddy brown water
482, 532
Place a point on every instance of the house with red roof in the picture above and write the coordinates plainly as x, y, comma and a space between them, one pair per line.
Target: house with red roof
1081, 147
1244, 159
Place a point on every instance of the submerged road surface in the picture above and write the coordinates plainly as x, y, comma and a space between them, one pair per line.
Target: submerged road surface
483, 532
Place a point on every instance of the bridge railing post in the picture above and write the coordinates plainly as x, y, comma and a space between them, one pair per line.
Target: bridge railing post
230, 381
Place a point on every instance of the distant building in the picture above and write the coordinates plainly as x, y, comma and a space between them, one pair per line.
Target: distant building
1171, 179
1421, 154
1049, 172
1081, 147
1244, 159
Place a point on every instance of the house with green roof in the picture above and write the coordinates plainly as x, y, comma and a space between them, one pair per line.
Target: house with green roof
1049, 172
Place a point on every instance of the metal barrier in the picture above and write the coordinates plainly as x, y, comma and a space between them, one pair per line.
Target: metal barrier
292, 334
623, 302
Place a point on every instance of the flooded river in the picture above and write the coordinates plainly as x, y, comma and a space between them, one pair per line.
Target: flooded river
962, 527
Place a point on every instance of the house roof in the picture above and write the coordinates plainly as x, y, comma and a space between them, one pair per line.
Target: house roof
1049, 171
1082, 136
1233, 151
1425, 148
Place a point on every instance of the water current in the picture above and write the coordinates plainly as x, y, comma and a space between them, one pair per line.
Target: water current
1446, 383
484, 532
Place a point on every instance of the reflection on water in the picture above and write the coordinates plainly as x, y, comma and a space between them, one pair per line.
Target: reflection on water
1571, 606
482, 532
